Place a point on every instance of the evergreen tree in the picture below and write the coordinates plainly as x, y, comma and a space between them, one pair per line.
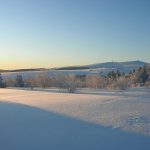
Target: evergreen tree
118, 73
19, 81
2, 83
123, 74
1, 80
144, 74
112, 75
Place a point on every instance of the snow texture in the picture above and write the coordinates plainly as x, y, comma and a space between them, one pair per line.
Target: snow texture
107, 120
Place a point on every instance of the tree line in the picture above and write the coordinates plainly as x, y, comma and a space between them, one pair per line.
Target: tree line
113, 80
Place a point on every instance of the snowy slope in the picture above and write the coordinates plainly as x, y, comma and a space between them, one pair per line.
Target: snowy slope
103, 69
122, 66
108, 120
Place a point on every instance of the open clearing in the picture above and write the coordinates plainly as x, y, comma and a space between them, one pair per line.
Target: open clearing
37, 120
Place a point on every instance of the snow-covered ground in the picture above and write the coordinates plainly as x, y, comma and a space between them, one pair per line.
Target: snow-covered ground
89, 120
52, 73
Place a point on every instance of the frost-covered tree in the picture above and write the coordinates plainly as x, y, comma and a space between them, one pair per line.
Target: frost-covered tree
71, 83
43, 80
31, 81
95, 82
10, 82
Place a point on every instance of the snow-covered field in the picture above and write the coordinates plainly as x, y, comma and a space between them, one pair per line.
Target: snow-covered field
52, 73
95, 120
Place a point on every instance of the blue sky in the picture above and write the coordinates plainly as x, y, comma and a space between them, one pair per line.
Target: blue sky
52, 33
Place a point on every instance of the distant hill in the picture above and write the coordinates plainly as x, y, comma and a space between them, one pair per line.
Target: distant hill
118, 64
121, 66
93, 69
1, 71
22, 70
72, 68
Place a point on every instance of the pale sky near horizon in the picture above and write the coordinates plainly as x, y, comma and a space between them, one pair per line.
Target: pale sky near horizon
53, 33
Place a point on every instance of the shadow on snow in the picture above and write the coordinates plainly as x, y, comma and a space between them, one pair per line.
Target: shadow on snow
28, 128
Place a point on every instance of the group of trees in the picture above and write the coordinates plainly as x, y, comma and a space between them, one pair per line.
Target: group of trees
135, 78
140, 77
113, 80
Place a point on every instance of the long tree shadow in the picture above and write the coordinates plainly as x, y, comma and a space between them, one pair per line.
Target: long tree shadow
28, 128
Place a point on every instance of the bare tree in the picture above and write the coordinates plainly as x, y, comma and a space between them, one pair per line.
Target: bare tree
43, 80
31, 81
72, 83
67, 82
95, 82
120, 83
59, 80
10, 82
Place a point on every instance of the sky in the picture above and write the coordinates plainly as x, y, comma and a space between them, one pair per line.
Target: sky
55, 33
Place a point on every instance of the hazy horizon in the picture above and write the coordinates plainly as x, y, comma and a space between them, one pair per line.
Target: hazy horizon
48, 33
49, 67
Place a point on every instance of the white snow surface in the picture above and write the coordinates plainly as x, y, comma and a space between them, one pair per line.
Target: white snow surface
89, 120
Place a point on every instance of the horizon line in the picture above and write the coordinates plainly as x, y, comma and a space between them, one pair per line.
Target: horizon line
72, 65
